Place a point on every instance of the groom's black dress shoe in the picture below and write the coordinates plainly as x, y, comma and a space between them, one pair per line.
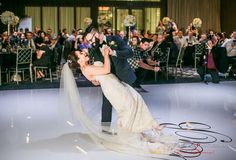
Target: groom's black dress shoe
140, 89
109, 132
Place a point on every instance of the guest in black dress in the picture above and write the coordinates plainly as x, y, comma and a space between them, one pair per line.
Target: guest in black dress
43, 55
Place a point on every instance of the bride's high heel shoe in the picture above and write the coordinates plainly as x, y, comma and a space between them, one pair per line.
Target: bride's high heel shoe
152, 136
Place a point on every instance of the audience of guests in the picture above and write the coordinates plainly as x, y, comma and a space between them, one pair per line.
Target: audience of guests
148, 48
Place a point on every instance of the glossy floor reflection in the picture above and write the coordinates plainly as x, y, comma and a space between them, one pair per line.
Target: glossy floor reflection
34, 125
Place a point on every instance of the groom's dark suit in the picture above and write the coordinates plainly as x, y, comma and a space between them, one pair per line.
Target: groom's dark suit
119, 67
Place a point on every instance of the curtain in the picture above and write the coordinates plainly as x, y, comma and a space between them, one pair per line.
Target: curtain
50, 19
34, 12
81, 14
138, 14
66, 17
184, 11
152, 18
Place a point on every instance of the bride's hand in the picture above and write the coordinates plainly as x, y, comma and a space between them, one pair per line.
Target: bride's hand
105, 50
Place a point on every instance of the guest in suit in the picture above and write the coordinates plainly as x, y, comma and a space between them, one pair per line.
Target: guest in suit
29, 42
119, 65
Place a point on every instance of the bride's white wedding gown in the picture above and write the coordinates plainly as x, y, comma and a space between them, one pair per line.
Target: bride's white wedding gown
132, 112
133, 117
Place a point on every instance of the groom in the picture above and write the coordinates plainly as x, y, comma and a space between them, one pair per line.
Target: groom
120, 52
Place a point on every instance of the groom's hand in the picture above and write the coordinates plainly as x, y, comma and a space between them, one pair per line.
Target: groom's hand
96, 83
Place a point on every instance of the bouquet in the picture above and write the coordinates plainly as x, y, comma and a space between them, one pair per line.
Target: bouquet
129, 21
113, 45
197, 22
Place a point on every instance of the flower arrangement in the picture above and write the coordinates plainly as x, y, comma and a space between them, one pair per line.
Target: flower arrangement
197, 22
8, 17
166, 20
102, 19
113, 45
88, 21
129, 21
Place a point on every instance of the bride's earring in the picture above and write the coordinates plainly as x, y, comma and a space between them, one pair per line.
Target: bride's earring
79, 61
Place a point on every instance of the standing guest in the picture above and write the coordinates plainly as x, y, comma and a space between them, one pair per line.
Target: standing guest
230, 46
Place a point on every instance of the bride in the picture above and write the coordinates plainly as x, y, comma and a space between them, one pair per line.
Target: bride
134, 118
133, 114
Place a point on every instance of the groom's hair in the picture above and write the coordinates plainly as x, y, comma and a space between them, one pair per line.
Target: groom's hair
143, 40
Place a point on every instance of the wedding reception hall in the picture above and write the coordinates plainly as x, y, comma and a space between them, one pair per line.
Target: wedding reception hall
117, 80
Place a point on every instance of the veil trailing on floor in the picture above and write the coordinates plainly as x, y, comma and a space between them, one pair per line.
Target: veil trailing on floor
122, 141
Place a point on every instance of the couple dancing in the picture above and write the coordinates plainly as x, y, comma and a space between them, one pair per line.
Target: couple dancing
134, 121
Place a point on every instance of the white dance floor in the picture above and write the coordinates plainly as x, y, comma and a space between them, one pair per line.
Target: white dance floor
34, 124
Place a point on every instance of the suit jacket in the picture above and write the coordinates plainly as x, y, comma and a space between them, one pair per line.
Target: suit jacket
119, 63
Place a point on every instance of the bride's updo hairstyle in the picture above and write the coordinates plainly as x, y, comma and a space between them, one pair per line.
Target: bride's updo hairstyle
72, 61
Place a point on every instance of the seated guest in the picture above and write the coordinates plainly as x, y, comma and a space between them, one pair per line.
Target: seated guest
5, 42
40, 40
56, 48
159, 47
43, 55
14, 40
29, 42
141, 62
179, 40
191, 39
213, 60
230, 46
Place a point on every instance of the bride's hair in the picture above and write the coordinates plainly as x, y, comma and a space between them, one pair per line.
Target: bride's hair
72, 60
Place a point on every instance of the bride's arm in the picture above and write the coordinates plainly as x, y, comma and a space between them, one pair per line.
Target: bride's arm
100, 70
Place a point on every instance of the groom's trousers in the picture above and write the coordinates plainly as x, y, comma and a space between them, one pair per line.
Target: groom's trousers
106, 112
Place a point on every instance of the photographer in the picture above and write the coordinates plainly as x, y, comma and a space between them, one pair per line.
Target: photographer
230, 46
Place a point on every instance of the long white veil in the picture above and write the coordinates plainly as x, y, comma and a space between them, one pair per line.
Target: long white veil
122, 142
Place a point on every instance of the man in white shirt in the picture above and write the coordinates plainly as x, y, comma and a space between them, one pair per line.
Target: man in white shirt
230, 46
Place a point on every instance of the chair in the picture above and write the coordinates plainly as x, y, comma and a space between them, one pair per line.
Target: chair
199, 48
179, 60
164, 62
52, 65
23, 62
3, 70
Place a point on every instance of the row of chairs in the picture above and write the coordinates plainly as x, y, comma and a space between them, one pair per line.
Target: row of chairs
178, 65
24, 63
